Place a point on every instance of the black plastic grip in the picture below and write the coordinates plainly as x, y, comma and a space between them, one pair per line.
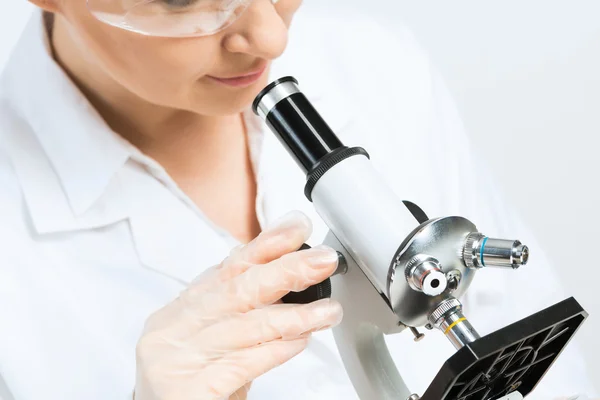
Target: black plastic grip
313, 293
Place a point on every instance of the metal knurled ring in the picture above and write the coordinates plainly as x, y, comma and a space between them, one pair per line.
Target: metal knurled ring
443, 309
416, 260
468, 256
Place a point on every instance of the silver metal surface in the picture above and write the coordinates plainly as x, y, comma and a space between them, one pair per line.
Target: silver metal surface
414, 397
424, 274
504, 253
274, 96
480, 251
461, 333
521, 254
443, 239
449, 318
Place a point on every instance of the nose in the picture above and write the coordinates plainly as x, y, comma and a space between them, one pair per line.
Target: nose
260, 32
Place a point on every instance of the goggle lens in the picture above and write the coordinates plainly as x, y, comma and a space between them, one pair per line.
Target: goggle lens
169, 18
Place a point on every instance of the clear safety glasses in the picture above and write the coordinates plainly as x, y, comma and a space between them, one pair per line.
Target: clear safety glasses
169, 18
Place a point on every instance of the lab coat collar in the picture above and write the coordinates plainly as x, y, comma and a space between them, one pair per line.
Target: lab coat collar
80, 160
83, 151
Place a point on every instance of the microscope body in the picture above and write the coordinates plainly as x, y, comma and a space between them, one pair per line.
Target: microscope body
400, 269
374, 286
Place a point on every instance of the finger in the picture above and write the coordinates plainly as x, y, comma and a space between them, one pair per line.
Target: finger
284, 236
294, 272
281, 321
225, 376
198, 307
264, 284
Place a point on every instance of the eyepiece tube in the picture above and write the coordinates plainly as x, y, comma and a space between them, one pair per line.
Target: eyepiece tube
289, 114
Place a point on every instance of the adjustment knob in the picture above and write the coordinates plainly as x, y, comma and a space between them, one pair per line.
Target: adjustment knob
424, 274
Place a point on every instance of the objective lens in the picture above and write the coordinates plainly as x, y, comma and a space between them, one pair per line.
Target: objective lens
481, 251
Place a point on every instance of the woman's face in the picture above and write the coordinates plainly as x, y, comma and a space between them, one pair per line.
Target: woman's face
177, 72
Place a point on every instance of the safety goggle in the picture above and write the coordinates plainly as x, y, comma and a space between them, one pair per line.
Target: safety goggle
169, 18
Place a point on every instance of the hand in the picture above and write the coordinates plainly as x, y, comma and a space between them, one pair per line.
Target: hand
229, 326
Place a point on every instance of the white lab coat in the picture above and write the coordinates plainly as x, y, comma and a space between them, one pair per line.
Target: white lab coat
95, 236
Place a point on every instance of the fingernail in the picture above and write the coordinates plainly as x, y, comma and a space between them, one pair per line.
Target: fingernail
286, 226
322, 256
292, 218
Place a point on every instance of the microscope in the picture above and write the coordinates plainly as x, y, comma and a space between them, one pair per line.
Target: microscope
400, 269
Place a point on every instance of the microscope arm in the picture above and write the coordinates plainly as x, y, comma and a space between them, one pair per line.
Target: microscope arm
359, 337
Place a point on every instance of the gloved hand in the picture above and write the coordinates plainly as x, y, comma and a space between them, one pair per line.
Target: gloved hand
229, 327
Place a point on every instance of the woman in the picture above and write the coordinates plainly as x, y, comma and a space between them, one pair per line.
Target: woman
140, 196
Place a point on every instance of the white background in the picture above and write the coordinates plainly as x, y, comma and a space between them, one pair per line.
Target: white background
525, 75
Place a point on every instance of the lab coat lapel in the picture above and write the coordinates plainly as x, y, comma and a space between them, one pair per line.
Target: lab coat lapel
169, 237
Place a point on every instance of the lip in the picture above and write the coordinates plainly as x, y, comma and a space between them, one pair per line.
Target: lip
242, 80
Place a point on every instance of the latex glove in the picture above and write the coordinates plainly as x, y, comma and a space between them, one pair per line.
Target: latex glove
229, 326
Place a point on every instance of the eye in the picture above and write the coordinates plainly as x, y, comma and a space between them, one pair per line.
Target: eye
179, 3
